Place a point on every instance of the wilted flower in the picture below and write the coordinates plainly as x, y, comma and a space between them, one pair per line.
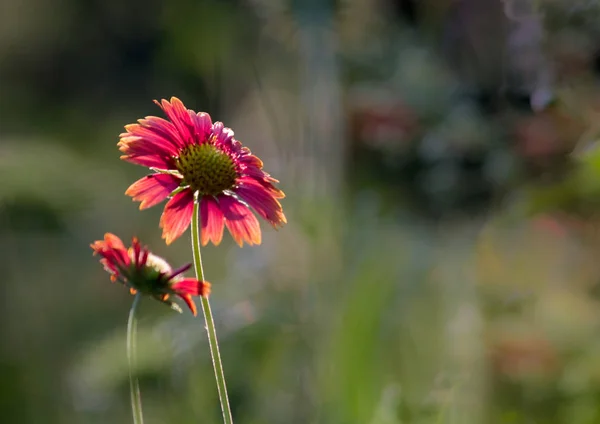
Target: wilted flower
196, 160
147, 273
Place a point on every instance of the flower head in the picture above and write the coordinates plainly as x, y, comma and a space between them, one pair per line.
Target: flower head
147, 273
195, 160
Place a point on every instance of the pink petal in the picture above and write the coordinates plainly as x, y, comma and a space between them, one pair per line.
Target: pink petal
212, 221
179, 116
256, 173
251, 160
240, 221
177, 215
265, 182
150, 136
164, 129
224, 135
136, 146
151, 161
152, 189
202, 124
262, 201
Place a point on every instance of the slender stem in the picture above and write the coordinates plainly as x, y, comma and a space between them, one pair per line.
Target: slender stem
210, 324
134, 384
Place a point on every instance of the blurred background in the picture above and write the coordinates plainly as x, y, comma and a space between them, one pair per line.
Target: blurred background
440, 264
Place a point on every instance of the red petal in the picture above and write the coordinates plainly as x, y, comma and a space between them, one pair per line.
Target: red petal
189, 302
263, 202
192, 287
137, 250
112, 249
152, 189
177, 215
212, 221
240, 221
113, 241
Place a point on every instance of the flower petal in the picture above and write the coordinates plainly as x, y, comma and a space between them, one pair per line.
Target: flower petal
180, 270
152, 189
113, 252
240, 221
138, 136
187, 298
177, 215
150, 161
223, 135
202, 124
192, 287
257, 174
251, 160
265, 182
164, 129
115, 244
212, 221
179, 116
262, 201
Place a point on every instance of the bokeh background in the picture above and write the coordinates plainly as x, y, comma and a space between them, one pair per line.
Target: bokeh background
440, 264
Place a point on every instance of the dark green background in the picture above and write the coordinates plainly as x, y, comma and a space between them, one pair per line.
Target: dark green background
440, 260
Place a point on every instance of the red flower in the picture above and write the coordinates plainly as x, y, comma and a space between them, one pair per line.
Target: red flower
147, 273
196, 160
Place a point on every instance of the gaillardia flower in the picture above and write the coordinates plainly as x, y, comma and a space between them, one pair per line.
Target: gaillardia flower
147, 273
195, 160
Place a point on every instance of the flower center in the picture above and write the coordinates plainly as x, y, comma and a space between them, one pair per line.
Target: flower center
150, 278
206, 169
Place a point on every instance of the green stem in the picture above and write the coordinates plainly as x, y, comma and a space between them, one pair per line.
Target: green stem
210, 324
134, 384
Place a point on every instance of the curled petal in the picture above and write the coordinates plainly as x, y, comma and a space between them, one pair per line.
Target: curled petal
153, 189
112, 250
223, 135
187, 298
177, 215
202, 124
111, 268
114, 242
251, 160
240, 221
211, 221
